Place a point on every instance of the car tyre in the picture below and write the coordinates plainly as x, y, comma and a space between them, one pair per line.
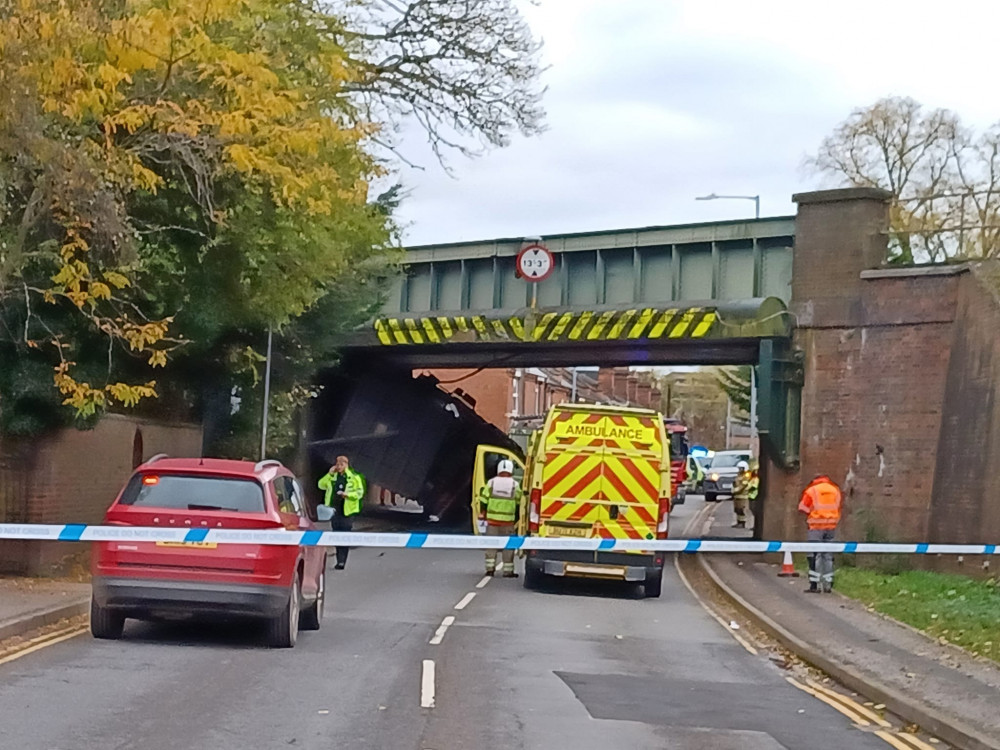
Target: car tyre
653, 585
283, 630
105, 623
312, 617
711, 497
532, 578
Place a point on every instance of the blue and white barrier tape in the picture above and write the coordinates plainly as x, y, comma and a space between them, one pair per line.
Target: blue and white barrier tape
84, 533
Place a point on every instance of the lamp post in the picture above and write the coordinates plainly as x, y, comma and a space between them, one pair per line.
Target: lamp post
267, 395
714, 197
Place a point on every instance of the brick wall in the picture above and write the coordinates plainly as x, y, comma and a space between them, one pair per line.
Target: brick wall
491, 388
900, 402
73, 476
965, 506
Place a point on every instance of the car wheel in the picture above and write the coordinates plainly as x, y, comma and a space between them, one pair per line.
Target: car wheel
283, 630
653, 585
312, 617
105, 624
711, 497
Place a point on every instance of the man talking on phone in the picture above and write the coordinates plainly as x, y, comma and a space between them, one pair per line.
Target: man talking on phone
344, 490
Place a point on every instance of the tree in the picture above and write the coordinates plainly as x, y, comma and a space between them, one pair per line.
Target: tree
464, 71
176, 177
944, 178
695, 398
734, 382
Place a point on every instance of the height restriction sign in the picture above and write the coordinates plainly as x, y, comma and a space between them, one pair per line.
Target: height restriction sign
535, 263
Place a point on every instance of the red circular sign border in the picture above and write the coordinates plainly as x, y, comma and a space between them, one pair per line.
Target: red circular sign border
535, 246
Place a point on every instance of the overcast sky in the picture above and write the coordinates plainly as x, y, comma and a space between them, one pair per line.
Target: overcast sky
653, 102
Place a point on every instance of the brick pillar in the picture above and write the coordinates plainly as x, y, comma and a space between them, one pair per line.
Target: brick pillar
631, 388
605, 381
620, 382
642, 391
838, 235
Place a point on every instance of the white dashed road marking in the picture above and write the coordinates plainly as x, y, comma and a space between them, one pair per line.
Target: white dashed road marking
466, 600
427, 685
439, 633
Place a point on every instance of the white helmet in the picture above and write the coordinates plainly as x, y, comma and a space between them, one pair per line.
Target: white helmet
505, 467
743, 466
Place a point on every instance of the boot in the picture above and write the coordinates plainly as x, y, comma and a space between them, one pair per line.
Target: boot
813, 589
740, 525
510, 574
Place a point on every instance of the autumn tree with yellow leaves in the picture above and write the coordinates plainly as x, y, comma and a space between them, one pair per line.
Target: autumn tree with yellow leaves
177, 174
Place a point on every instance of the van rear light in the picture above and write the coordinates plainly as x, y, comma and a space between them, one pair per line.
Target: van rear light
534, 513
664, 525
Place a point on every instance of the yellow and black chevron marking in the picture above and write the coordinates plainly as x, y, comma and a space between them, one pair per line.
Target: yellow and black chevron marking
611, 325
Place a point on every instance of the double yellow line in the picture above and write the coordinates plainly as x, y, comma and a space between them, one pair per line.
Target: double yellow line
861, 716
42, 641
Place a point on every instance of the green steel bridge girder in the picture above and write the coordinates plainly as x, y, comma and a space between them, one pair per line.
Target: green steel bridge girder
755, 331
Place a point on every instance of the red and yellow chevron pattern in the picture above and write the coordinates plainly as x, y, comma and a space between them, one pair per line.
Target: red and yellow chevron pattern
601, 469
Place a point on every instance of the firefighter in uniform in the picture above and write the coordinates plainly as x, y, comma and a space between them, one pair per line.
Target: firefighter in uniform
821, 502
499, 502
744, 490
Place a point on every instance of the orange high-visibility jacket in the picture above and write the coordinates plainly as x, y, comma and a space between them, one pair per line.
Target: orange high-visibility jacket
821, 503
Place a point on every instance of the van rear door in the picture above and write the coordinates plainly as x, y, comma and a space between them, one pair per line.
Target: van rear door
632, 458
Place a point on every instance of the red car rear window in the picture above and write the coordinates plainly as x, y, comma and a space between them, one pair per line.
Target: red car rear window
182, 492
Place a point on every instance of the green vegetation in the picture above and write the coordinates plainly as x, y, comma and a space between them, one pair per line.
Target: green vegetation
960, 610
178, 178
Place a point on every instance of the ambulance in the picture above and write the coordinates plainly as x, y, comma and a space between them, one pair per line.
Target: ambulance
591, 472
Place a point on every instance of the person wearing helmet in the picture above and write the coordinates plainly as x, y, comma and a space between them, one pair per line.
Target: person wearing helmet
744, 489
499, 502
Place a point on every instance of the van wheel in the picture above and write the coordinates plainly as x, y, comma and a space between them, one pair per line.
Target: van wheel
283, 630
653, 585
105, 624
532, 578
312, 618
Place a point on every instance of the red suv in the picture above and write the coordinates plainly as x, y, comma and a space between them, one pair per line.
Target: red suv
285, 586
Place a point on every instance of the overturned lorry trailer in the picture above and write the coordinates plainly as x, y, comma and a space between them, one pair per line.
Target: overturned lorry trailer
407, 435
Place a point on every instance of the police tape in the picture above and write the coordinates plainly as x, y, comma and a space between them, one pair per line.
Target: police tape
414, 540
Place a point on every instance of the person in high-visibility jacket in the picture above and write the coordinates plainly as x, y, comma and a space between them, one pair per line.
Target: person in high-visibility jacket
344, 488
695, 474
821, 502
754, 495
745, 489
500, 499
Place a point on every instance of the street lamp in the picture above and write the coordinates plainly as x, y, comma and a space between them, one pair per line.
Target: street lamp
714, 197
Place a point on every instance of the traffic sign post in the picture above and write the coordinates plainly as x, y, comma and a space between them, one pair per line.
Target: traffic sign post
534, 264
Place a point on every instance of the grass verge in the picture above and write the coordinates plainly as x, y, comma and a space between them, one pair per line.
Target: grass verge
953, 608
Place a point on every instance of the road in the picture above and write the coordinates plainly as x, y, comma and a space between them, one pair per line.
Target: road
581, 665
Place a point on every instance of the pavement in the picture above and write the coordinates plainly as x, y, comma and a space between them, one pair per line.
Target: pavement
420, 652
27, 604
940, 687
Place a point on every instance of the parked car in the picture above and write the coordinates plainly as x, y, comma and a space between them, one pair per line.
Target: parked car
721, 472
283, 586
